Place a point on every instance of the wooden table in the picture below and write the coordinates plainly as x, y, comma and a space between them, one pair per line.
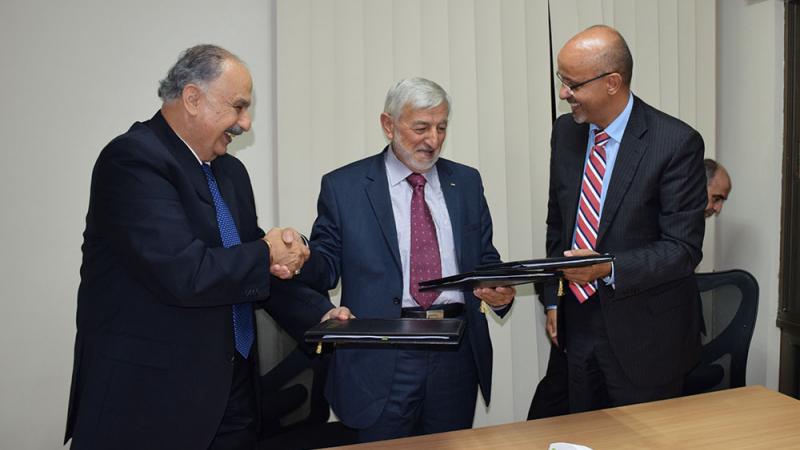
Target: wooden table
749, 417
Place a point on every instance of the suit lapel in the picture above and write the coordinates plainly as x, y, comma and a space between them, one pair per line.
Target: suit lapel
377, 190
453, 200
183, 155
630, 153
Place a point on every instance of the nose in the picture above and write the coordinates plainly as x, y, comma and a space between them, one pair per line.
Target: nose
564, 92
245, 121
432, 139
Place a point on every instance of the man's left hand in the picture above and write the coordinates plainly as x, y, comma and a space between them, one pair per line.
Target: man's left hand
586, 274
496, 297
341, 313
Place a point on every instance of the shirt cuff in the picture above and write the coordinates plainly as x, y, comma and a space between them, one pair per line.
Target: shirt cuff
609, 280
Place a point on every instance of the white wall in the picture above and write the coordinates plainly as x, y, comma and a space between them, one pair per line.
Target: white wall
75, 74
750, 145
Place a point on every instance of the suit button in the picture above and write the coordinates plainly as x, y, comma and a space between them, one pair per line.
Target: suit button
231, 357
396, 301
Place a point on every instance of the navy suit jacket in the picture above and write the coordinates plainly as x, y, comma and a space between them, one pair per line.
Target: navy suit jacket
154, 344
652, 222
354, 238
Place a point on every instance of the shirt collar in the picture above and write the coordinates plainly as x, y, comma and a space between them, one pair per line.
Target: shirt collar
398, 172
616, 128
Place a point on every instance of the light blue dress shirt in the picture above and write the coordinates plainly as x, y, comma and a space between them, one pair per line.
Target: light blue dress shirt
615, 130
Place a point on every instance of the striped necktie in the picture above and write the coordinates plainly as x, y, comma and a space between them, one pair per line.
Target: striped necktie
243, 330
588, 220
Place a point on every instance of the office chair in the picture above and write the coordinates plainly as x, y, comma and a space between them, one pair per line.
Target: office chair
730, 306
294, 411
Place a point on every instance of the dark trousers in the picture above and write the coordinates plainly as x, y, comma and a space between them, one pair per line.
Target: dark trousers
434, 389
596, 380
238, 431
552, 393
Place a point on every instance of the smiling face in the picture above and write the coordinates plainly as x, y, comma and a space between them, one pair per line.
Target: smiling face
220, 111
417, 135
590, 101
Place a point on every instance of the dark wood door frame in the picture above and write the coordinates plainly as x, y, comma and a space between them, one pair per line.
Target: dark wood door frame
789, 290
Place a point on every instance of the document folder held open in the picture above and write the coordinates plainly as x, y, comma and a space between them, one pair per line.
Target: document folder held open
387, 331
513, 273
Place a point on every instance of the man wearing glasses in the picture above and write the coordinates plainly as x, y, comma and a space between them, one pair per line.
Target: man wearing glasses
628, 180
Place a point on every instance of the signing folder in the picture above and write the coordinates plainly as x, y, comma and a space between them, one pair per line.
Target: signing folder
387, 331
514, 272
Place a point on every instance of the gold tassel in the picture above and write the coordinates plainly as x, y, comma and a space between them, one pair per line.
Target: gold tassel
319, 347
483, 307
560, 287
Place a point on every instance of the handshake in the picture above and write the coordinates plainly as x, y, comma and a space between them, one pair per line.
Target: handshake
287, 252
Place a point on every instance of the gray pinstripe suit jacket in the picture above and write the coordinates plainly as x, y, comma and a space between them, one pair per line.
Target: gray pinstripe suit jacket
652, 222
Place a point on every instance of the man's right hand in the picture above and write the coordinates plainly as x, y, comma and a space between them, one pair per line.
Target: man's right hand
287, 252
552, 325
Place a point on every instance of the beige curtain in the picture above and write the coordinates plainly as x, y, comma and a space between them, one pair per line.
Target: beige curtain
335, 60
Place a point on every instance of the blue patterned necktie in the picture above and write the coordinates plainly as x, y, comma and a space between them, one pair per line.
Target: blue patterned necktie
243, 331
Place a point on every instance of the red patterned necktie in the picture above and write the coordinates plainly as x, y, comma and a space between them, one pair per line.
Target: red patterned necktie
426, 263
588, 220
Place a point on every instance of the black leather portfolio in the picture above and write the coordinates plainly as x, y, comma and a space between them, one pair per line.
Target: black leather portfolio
387, 331
513, 273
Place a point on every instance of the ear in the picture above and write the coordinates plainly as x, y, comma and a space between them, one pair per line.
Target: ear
613, 83
191, 97
387, 124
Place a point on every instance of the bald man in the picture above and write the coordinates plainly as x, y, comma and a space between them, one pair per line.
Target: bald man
625, 179
718, 184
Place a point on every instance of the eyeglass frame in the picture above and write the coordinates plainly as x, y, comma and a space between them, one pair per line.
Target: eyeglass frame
574, 87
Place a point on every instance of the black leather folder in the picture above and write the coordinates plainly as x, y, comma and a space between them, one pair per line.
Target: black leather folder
513, 273
387, 331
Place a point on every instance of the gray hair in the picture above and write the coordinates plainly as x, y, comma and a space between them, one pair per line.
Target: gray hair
199, 65
711, 169
418, 93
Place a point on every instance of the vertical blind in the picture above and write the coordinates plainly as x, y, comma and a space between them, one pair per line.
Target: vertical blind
335, 60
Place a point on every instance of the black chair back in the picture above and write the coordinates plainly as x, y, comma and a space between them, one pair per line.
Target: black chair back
729, 306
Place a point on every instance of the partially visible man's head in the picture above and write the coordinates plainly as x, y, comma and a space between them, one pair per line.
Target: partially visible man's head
206, 97
595, 68
415, 119
719, 187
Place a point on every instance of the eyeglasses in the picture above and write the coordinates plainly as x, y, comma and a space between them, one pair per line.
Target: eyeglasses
571, 88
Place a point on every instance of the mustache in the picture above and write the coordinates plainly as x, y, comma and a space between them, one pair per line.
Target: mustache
235, 130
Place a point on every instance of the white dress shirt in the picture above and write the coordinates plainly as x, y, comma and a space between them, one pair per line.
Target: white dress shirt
400, 192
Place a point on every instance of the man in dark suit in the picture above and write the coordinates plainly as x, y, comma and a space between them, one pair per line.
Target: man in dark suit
173, 259
384, 223
625, 179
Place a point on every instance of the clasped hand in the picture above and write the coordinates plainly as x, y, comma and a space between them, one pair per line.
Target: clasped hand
287, 252
585, 274
496, 297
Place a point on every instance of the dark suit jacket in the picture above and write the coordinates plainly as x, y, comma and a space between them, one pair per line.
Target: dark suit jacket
154, 344
355, 238
652, 222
